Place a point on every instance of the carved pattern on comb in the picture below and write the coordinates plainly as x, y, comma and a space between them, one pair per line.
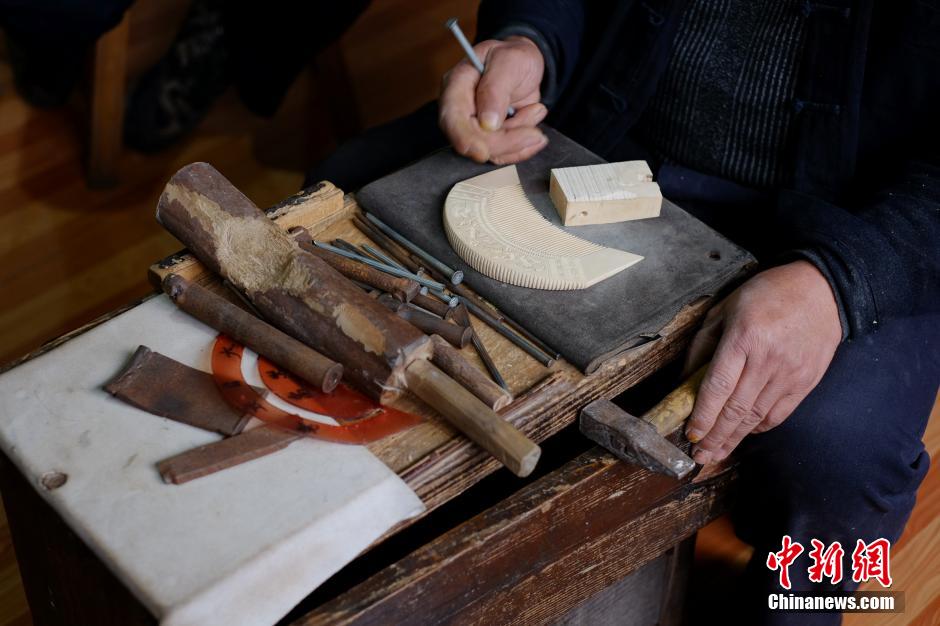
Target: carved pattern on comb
494, 227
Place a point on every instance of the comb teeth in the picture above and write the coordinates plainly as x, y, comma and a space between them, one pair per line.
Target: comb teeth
494, 227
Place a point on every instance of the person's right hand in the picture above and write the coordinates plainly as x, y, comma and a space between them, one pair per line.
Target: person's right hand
473, 107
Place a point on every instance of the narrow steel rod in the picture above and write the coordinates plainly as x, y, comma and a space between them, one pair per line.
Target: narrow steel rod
388, 269
454, 276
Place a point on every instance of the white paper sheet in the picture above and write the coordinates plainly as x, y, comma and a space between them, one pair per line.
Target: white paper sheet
242, 546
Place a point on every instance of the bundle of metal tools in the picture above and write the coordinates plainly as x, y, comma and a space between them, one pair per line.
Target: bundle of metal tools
403, 255
391, 317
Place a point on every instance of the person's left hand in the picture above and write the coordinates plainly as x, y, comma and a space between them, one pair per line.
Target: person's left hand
775, 337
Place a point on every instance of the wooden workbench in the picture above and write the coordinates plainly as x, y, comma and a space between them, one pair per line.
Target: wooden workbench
505, 551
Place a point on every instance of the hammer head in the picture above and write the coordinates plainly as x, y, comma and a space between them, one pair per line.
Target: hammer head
633, 439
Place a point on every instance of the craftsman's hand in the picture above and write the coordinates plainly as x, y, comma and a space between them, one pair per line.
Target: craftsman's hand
473, 107
775, 337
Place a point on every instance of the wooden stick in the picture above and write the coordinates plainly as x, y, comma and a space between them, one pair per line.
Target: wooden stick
433, 305
398, 286
427, 323
247, 329
454, 365
402, 288
497, 436
232, 451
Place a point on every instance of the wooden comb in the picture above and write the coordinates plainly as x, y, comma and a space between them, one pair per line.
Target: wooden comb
494, 227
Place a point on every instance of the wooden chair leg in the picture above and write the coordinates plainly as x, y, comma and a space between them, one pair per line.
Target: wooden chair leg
108, 83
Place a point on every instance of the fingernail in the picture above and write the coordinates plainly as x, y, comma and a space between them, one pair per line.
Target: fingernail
533, 140
694, 435
489, 121
478, 152
702, 457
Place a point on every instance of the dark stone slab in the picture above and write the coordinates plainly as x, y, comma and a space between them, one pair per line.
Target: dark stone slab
683, 258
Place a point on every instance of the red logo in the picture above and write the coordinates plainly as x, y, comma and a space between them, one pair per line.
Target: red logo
872, 560
826, 563
783, 559
869, 560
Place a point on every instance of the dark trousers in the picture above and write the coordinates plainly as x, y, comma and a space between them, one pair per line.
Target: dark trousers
845, 465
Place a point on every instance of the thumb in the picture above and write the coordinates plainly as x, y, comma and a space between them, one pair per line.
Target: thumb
494, 91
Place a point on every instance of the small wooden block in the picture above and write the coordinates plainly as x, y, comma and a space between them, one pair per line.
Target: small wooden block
605, 193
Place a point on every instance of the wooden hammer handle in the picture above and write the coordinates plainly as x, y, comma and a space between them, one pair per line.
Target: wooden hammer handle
473, 418
672, 411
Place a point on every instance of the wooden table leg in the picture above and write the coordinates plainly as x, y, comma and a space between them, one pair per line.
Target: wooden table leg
65, 582
672, 608
106, 123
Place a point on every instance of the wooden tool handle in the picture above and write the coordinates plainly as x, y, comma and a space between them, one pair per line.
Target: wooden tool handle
402, 289
457, 336
258, 335
667, 416
476, 382
436, 307
471, 417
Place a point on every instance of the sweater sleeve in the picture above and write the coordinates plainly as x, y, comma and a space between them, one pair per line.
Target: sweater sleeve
555, 26
882, 260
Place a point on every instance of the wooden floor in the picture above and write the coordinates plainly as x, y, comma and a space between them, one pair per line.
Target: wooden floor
69, 254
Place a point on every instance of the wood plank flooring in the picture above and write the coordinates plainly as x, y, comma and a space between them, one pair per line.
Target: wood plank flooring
70, 254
